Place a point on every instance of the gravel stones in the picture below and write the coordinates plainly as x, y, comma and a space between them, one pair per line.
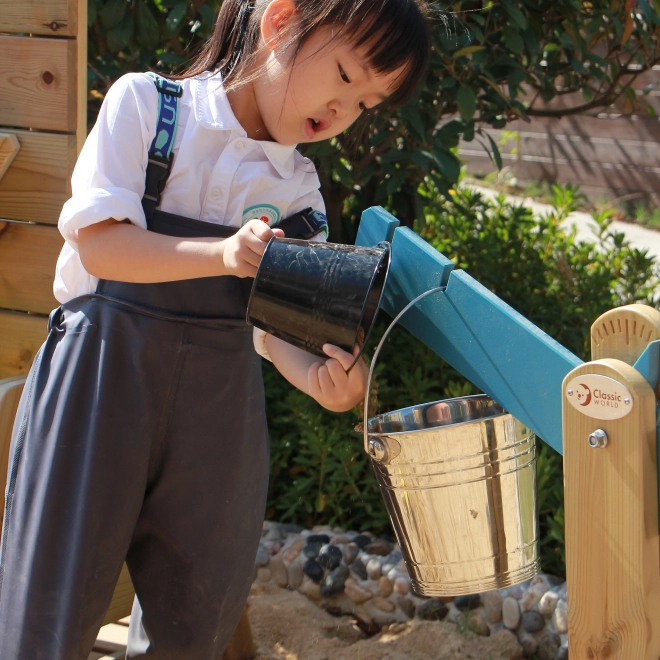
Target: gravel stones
350, 552
385, 587
359, 569
296, 574
362, 540
560, 617
334, 582
263, 556
549, 645
379, 547
510, 613
330, 556
355, 592
383, 604
322, 539
529, 643
470, 602
493, 606
507, 644
278, 571
432, 610
533, 622
562, 654
313, 570
407, 606
311, 550
402, 585
474, 622
263, 574
548, 603
374, 569
291, 553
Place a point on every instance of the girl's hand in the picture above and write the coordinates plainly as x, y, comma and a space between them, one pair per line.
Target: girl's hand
242, 252
331, 386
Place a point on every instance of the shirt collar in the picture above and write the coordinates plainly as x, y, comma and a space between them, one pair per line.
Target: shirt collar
212, 110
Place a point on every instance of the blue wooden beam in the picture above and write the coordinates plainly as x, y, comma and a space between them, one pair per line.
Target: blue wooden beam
491, 344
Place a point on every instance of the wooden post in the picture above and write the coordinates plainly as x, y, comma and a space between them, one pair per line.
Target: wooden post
611, 495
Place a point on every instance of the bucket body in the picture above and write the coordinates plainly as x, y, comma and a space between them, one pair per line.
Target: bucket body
459, 481
310, 293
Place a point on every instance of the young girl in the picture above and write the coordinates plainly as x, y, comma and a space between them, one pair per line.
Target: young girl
141, 434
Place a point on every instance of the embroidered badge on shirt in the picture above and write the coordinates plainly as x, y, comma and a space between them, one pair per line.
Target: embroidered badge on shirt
264, 212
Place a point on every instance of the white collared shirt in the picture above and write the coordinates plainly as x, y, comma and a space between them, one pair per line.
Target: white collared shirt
219, 174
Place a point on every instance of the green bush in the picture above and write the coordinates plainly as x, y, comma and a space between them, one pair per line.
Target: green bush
320, 473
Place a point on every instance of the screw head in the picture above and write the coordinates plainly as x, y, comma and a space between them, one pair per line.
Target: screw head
377, 450
598, 439
626, 401
569, 392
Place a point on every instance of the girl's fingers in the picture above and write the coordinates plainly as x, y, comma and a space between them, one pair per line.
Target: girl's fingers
343, 357
313, 384
337, 373
325, 381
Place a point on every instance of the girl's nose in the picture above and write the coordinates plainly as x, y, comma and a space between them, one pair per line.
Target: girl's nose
338, 108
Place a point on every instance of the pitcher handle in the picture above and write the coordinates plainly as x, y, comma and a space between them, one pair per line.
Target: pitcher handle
412, 303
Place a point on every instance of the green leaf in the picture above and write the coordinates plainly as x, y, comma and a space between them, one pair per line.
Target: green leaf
147, 27
496, 157
118, 37
467, 102
92, 12
112, 13
513, 40
448, 164
463, 52
395, 181
175, 18
208, 14
516, 15
412, 118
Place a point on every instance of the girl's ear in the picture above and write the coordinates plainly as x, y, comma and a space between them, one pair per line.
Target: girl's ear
274, 20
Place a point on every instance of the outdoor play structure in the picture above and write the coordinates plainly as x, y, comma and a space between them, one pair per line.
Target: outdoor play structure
601, 415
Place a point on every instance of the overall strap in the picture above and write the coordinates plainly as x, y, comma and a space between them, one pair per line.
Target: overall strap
160, 152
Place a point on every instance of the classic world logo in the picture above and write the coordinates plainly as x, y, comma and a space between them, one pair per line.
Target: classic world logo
598, 396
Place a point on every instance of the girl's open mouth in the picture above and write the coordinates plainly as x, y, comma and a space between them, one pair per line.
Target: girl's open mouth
314, 126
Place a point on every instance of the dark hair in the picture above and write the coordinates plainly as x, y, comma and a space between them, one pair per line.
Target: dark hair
393, 33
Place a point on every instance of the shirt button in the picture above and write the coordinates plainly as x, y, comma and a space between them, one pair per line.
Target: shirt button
240, 145
216, 193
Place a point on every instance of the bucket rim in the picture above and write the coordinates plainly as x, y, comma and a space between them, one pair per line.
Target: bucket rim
375, 434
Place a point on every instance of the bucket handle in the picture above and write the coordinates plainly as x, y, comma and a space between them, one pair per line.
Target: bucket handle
367, 394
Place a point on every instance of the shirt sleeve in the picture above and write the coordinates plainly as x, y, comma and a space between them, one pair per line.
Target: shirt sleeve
311, 198
108, 179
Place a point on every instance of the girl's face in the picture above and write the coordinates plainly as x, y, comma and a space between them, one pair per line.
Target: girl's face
322, 92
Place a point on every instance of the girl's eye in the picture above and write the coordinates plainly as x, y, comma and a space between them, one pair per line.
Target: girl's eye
343, 75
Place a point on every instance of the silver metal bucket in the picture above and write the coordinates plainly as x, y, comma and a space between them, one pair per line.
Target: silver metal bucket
459, 481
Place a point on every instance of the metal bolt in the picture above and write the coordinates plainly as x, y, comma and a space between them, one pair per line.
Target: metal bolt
627, 401
569, 392
377, 450
598, 439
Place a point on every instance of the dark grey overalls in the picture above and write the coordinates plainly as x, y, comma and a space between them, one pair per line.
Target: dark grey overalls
141, 436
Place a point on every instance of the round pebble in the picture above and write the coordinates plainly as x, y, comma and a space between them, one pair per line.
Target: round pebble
350, 552
311, 589
291, 553
384, 587
507, 642
562, 654
359, 569
318, 538
432, 609
334, 582
476, 622
339, 539
312, 550
263, 556
533, 622
278, 571
510, 613
382, 604
548, 603
313, 570
275, 533
379, 547
529, 643
296, 574
263, 574
373, 569
361, 540
560, 617
355, 592
392, 561
470, 602
549, 644
401, 585
330, 556
533, 595
492, 606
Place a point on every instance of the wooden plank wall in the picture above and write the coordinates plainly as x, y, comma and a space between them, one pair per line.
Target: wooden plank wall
43, 50
612, 154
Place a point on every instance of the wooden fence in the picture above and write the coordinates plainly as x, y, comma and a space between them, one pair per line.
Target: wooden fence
43, 50
615, 153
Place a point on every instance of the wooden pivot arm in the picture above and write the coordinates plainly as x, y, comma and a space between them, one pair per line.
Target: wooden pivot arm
497, 349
